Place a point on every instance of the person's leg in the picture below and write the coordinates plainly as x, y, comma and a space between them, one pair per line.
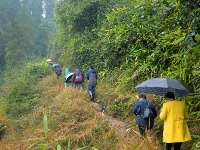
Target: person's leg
168, 146
75, 85
93, 89
93, 92
177, 146
142, 130
66, 84
82, 85
90, 91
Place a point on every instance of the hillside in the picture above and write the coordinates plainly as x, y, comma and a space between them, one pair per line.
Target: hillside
76, 123
72, 119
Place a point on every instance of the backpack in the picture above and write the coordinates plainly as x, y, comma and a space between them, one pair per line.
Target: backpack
58, 71
147, 112
78, 78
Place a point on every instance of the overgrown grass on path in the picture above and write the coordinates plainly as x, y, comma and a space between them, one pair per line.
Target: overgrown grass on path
71, 117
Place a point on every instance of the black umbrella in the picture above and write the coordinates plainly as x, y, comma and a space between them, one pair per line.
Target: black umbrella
160, 86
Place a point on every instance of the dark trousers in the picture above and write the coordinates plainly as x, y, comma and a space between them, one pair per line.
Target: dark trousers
142, 130
91, 91
81, 85
177, 146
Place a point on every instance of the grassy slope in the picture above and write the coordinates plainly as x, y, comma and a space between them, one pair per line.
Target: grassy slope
72, 117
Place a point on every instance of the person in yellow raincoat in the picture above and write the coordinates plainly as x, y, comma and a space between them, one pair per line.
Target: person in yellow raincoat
174, 114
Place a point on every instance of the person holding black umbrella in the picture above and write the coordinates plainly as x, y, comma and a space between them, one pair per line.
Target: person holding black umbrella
174, 114
138, 109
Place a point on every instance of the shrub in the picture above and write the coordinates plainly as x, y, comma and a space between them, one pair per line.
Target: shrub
23, 92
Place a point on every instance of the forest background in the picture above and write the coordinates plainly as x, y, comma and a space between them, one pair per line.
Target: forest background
126, 41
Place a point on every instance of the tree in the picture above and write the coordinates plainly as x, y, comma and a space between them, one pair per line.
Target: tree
8, 10
45, 33
20, 38
78, 23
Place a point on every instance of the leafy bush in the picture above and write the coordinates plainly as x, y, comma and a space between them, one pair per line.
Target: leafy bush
23, 93
35, 71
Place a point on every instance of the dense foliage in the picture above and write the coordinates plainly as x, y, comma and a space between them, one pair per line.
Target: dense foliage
20, 90
150, 37
26, 28
135, 40
132, 41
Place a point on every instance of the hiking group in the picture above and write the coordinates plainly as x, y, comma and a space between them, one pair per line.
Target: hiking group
77, 77
173, 113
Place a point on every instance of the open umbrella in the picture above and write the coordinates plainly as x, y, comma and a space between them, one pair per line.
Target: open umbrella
68, 76
160, 86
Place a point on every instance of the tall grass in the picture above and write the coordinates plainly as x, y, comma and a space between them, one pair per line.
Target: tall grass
73, 123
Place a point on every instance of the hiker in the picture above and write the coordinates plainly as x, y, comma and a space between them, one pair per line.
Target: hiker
174, 114
68, 77
53, 66
50, 62
91, 75
78, 78
138, 109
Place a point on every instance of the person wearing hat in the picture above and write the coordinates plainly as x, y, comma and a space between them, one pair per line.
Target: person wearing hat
138, 109
53, 66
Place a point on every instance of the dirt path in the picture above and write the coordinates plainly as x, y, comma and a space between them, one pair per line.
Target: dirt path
131, 138
119, 126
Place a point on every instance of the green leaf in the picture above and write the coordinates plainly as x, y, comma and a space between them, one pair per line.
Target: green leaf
58, 147
179, 40
45, 125
69, 144
196, 136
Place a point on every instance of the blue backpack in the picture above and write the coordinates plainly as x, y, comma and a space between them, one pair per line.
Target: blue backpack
147, 112
58, 71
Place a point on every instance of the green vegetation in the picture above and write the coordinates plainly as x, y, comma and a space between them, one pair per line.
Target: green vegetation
21, 94
126, 41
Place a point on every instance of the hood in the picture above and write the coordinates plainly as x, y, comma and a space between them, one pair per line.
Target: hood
67, 71
93, 71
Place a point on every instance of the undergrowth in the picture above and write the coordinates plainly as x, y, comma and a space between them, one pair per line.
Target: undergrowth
70, 118
73, 123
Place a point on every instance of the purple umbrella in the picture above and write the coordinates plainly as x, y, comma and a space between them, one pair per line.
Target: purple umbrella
160, 86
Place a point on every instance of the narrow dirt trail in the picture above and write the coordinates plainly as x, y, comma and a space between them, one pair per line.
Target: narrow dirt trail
120, 126
132, 137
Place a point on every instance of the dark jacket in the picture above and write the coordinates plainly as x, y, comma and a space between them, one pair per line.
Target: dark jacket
138, 110
91, 75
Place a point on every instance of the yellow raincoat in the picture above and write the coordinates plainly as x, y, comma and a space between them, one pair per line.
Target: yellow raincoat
174, 114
